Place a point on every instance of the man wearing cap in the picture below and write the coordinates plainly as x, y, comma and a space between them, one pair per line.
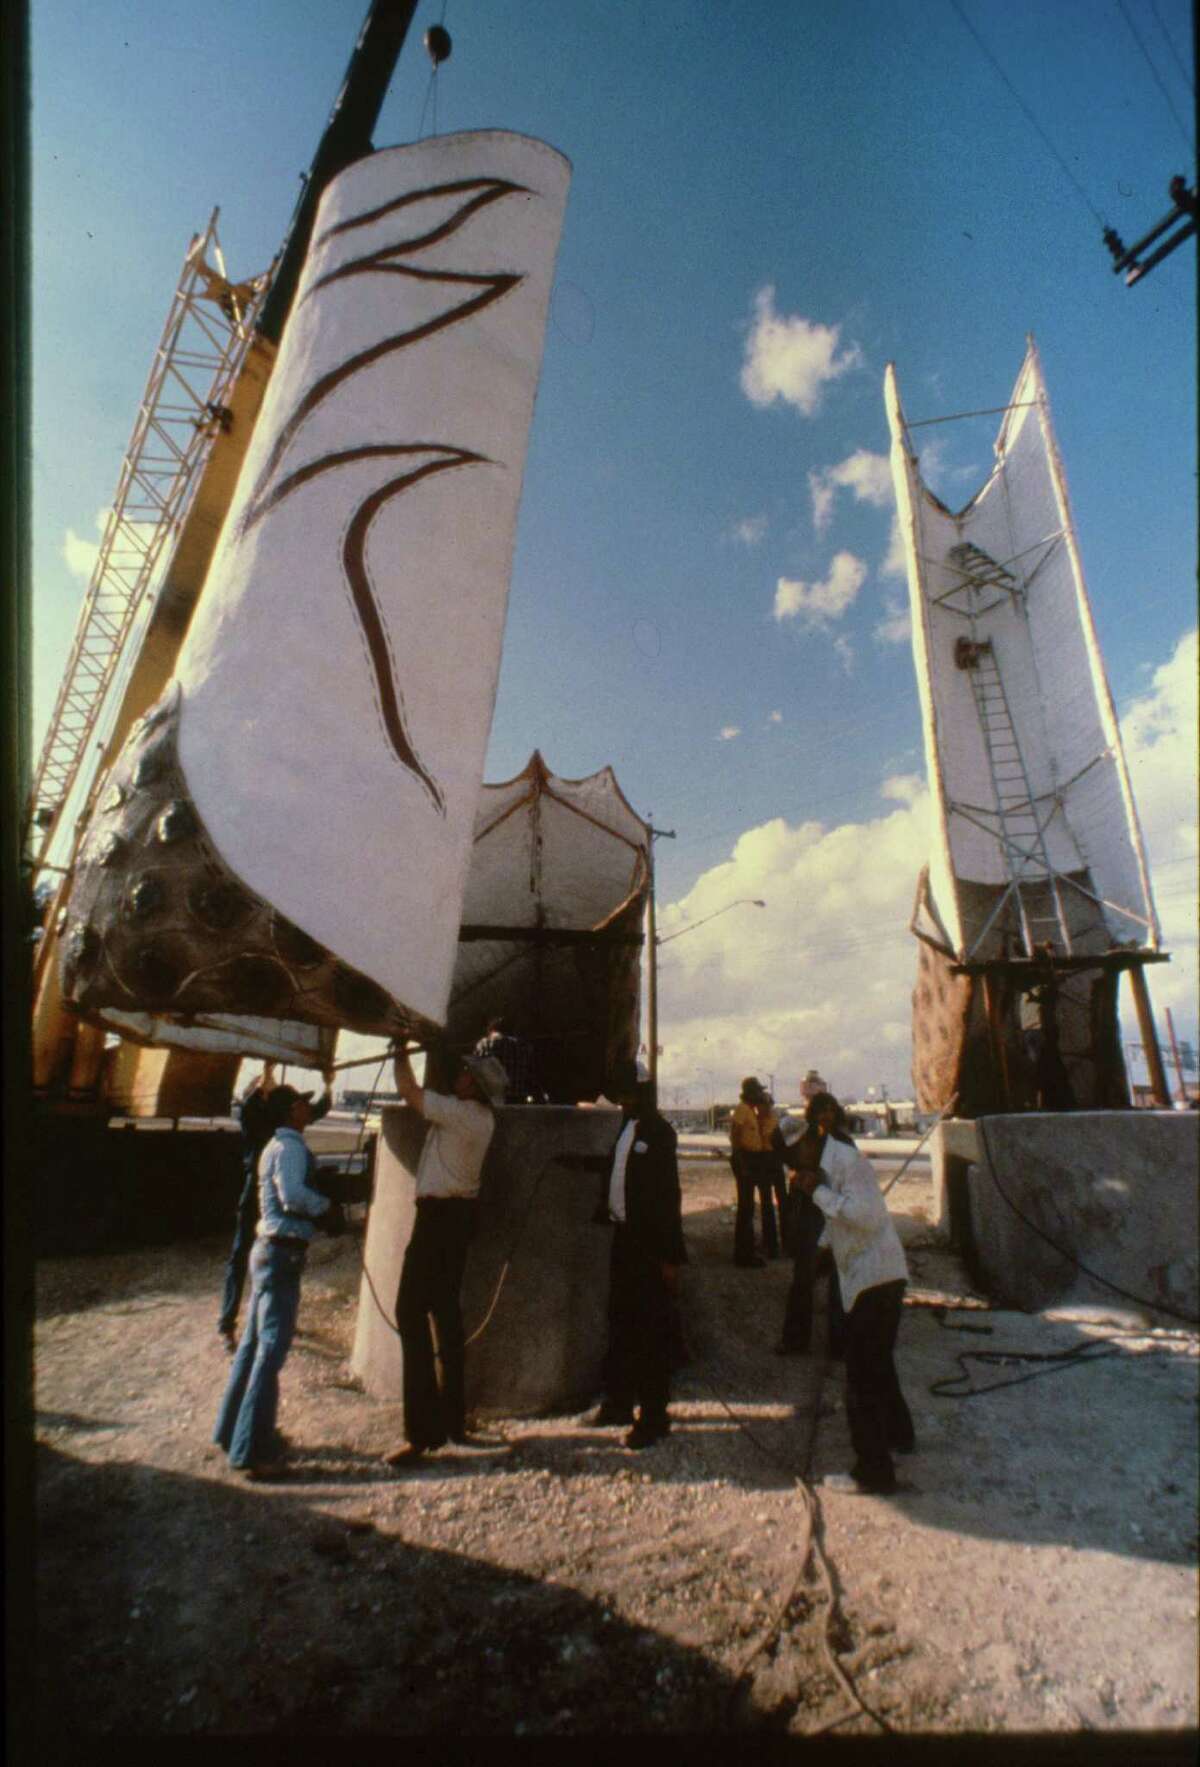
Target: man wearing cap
257, 1122
460, 1131
288, 1208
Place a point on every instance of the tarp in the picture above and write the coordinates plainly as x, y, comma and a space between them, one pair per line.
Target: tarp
551, 933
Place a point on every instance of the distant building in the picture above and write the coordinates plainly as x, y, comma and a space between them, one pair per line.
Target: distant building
811, 1084
361, 1101
881, 1116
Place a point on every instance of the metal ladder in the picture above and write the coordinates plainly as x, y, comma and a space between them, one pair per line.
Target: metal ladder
1021, 834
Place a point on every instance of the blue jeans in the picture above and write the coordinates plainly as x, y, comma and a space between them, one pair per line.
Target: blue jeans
246, 1420
239, 1255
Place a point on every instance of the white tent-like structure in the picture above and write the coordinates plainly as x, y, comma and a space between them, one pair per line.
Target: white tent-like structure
551, 933
1037, 885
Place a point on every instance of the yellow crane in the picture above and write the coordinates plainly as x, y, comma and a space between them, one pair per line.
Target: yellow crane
197, 416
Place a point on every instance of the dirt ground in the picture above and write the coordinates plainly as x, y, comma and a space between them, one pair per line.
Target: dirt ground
1039, 1576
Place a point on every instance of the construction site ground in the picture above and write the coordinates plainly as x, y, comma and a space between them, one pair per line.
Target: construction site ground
1039, 1576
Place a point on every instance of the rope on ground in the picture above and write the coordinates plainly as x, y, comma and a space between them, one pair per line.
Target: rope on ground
1078, 1356
812, 1547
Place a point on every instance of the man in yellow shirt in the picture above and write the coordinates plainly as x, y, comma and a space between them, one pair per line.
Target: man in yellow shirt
746, 1158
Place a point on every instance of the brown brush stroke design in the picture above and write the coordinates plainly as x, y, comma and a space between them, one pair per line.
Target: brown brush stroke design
371, 451
490, 190
354, 550
381, 262
492, 288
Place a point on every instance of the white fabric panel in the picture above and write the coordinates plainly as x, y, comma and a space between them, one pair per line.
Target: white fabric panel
1045, 648
339, 678
222, 1034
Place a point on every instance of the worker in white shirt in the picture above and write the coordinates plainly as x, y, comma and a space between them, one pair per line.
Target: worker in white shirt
448, 1173
872, 1274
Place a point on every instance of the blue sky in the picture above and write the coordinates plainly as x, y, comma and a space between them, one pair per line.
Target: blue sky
769, 202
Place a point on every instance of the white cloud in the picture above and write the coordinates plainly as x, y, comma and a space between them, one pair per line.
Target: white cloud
791, 358
903, 788
1159, 732
821, 492
868, 475
845, 651
896, 625
820, 977
729, 731
823, 975
946, 480
80, 555
751, 530
819, 603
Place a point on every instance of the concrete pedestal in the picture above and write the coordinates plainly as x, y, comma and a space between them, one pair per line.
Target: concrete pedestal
544, 1343
1115, 1190
953, 1148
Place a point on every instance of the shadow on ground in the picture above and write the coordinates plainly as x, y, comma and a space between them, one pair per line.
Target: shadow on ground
144, 1625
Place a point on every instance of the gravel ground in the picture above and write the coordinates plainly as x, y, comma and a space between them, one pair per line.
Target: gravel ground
1038, 1577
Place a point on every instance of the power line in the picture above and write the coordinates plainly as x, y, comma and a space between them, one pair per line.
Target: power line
1097, 216
1137, 37
1178, 59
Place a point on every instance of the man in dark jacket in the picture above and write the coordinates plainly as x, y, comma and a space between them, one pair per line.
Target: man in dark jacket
641, 1198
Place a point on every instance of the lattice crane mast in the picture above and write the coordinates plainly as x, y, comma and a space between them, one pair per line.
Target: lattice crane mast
184, 407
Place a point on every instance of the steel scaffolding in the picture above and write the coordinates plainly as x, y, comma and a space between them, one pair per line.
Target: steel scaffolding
197, 361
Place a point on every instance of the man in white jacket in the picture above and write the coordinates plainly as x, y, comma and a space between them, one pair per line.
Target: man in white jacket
872, 1274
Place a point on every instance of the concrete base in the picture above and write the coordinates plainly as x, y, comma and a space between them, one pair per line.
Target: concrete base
953, 1147
1115, 1190
542, 1347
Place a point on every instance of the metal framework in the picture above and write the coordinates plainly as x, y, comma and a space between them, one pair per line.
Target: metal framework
1017, 818
1020, 824
199, 355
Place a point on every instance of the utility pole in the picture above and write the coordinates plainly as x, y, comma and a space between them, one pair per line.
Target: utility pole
1150, 1048
1183, 216
667, 834
1175, 1057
